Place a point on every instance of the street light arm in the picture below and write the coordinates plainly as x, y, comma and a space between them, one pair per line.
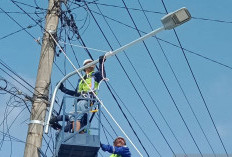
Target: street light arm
107, 55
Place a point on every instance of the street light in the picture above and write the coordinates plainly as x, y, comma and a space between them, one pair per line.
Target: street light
169, 21
176, 18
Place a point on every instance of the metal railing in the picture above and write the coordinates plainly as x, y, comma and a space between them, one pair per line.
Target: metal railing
88, 128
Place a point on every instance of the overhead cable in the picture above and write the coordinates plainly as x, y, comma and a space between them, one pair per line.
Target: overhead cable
18, 24
125, 73
10, 34
217, 62
162, 13
162, 79
95, 95
177, 82
189, 66
106, 83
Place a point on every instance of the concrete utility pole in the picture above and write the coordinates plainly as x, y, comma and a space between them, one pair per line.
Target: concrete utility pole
38, 111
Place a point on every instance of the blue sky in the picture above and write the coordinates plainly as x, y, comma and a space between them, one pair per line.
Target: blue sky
202, 41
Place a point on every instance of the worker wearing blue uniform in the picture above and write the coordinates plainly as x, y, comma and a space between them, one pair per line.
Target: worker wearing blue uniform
119, 149
85, 90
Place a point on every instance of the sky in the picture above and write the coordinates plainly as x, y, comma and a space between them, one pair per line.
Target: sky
175, 88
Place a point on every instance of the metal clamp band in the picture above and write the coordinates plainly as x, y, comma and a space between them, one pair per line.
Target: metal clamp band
36, 122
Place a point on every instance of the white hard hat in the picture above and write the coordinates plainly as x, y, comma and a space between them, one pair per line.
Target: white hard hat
87, 61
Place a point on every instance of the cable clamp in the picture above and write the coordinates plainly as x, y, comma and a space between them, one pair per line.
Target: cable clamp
108, 53
52, 32
36, 122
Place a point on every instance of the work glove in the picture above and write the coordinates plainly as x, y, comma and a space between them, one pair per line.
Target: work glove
61, 86
101, 59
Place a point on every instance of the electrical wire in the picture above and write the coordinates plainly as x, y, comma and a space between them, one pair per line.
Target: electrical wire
96, 95
138, 94
108, 87
197, 54
109, 124
189, 66
137, 123
127, 77
18, 24
162, 79
178, 84
15, 79
106, 83
30, 35
212, 20
141, 82
37, 7
9, 68
137, 9
13, 33
16, 95
84, 47
17, 12
207, 58
162, 13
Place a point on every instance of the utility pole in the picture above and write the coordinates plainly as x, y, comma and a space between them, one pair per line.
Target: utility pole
38, 111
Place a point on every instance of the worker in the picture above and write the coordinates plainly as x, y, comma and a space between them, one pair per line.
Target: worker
83, 90
54, 122
119, 148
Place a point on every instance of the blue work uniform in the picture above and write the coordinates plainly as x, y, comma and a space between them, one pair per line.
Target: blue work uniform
116, 151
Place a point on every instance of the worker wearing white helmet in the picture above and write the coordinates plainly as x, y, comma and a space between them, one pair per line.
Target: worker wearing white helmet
119, 148
92, 79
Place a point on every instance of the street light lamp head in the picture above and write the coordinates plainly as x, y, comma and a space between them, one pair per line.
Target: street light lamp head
176, 18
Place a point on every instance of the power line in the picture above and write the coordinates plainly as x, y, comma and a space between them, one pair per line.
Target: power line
17, 12
26, 30
207, 58
149, 93
177, 81
143, 85
15, 95
80, 6
13, 33
136, 122
28, 5
109, 124
213, 20
127, 77
18, 24
162, 13
15, 79
32, 36
137, 9
186, 59
8, 68
162, 79
91, 57
197, 54
107, 85
8, 127
104, 129
28, 15
95, 96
